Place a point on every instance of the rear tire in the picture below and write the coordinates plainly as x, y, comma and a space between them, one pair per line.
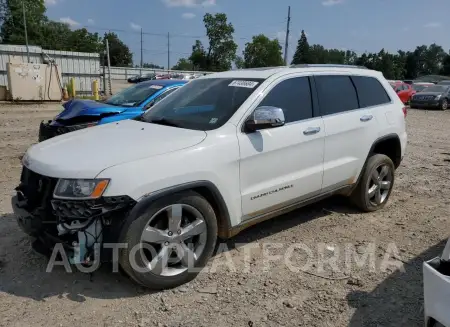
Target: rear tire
375, 185
169, 277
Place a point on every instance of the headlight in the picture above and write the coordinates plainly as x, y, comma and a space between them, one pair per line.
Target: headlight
438, 97
80, 188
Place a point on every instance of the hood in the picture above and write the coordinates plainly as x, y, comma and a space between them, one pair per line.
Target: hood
85, 153
428, 93
76, 108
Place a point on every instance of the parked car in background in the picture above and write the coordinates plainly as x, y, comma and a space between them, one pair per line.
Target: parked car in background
419, 87
142, 78
444, 82
404, 91
408, 81
436, 96
129, 103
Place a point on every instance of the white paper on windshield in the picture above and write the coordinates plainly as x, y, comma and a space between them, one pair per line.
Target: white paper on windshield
156, 87
247, 84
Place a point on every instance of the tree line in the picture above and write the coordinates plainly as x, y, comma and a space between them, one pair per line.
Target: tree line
221, 51
263, 51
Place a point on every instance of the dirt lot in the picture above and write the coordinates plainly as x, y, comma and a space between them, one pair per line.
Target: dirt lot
415, 221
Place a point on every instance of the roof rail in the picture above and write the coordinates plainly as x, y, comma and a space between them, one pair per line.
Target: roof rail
326, 65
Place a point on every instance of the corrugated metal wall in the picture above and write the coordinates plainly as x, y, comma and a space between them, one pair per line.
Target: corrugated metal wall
84, 67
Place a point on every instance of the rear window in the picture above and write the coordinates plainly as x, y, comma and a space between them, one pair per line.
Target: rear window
370, 91
336, 94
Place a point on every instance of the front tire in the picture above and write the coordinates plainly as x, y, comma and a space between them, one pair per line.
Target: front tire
171, 242
375, 184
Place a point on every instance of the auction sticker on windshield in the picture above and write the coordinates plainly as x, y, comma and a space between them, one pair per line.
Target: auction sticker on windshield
247, 84
156, 87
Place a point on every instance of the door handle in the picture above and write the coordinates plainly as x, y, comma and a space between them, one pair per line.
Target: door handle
366, 118
311, 130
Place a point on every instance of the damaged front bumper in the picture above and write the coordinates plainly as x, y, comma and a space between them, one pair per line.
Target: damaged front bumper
76, 225
49, 129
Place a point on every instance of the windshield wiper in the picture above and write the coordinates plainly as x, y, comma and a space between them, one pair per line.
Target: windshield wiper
163, 121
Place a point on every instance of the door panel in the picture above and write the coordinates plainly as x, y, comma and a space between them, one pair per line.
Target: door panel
348, 138
282, 164
279, 165
349, 131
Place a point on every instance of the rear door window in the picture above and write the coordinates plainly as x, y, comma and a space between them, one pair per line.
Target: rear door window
370, 91
336, 94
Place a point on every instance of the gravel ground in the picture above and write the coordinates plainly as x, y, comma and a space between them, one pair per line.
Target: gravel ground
238, 289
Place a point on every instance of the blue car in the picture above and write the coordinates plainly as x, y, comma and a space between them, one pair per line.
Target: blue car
127, 104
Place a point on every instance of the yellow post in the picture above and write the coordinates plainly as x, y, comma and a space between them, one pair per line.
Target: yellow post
95, 90
72, 86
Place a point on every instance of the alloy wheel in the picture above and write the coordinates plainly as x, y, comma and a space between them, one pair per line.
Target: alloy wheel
379, 184
173, 239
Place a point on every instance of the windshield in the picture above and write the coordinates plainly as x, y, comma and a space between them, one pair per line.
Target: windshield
203, 104
419, 88
437, 88
134, 95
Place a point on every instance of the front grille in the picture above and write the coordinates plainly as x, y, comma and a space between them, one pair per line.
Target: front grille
425, 97
79, 209
36, 189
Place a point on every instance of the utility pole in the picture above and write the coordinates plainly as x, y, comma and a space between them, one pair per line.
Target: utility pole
142, 50
168, 52
25, 28
286, 43
109, 67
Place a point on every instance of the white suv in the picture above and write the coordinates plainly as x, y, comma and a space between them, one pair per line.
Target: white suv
225, 151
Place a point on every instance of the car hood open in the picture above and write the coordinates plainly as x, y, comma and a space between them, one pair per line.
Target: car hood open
76, 108
85, 153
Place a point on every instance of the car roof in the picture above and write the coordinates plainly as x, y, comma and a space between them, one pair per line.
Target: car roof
266, 72
164, 82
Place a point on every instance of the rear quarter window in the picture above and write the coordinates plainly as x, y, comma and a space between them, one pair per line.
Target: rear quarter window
370, 91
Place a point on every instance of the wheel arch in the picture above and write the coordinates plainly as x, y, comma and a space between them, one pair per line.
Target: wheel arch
205, 188
388, 145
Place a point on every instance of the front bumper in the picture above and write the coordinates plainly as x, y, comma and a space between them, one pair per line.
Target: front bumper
423, 105
436, 284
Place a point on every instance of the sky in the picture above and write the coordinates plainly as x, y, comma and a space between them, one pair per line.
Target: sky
358, 25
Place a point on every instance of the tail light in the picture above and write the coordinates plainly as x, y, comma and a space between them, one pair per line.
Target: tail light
405, 111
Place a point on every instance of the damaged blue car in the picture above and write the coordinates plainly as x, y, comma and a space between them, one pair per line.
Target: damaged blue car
127, 104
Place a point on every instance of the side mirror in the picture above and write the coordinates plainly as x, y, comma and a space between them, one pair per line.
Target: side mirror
265, 117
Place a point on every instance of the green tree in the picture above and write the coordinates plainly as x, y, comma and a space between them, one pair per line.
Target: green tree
120, 55
262, 52
183, 64
222, 48
82, 41
302, 55
445, 70
11, 19
239, 62
198, 56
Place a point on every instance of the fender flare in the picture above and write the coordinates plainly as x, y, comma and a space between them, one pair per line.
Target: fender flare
223, 216
371, 151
